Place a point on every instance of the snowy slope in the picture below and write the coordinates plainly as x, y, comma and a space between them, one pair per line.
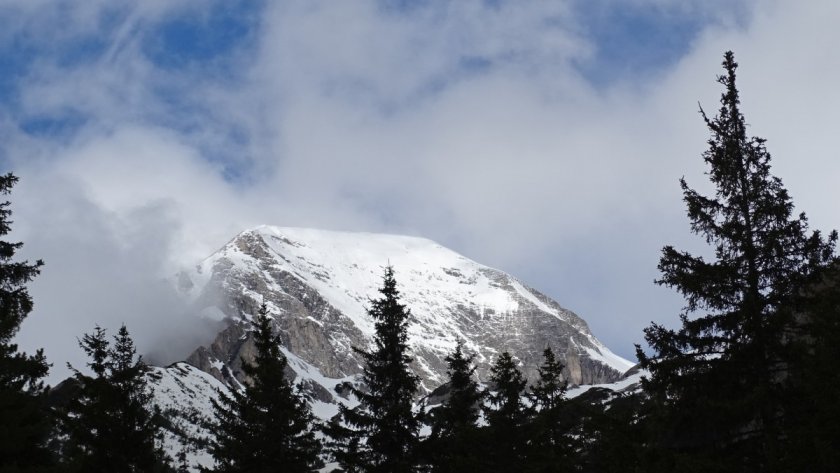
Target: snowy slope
185, 394
317, 285
318, 282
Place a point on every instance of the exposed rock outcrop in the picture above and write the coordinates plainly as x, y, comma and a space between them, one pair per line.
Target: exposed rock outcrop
316, 285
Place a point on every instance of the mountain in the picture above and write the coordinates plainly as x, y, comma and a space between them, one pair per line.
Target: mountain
317, 284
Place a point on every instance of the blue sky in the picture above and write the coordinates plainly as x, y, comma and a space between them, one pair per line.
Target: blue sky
542, 138
215, 40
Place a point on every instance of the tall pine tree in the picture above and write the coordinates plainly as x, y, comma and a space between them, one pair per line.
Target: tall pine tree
719, 379
551, 445
507, 417
268, 426
111, 426
25, 424
383, 429
453, 444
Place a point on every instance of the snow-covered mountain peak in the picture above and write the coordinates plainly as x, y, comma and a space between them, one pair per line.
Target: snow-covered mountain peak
319, 283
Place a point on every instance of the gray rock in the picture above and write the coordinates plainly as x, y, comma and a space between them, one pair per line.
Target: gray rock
249, 271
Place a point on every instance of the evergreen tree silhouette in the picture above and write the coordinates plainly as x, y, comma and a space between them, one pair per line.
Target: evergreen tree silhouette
25, 423
507, 417
112, 426
381, 434
453, 445
551, 446
268, 426
720, 377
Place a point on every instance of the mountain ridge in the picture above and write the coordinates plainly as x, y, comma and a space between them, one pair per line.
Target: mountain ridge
316, 285
318, 282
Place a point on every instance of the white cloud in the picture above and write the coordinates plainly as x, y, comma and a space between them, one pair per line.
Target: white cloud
459, 122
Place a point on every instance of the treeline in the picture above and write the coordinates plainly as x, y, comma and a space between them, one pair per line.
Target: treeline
507, 427
99, 422
747, 383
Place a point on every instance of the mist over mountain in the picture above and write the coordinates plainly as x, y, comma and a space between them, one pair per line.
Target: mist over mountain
317, 284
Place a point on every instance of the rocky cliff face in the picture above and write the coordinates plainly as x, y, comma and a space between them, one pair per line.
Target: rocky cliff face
316, 285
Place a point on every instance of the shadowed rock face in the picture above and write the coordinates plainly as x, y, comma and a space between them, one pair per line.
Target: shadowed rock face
308, 297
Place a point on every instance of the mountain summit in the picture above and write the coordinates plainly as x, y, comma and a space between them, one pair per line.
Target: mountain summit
317, 283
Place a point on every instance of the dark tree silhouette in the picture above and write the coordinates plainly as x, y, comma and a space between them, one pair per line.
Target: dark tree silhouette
268, 426
453, 445
507, 417
551, 445
111, 426
381, 434
719, 378
25, 424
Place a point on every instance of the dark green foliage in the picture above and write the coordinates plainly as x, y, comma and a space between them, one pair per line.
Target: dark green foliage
344, 445
25, 424
551, 446
453, 445
720, 378
507, 417
383, 430
267, 427
608, 433
109, 426
812, 420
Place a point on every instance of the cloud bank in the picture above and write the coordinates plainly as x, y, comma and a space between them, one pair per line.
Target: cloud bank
494, 128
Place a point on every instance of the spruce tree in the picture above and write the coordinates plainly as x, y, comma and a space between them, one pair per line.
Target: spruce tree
110, 426
551, 446
453, 444
383, 429
25, 423
268, 426
719, 379
507, 417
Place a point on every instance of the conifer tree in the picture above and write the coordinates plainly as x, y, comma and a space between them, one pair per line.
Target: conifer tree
268, 426
25, 424
719, 378
550, 449
453, 444
507, 417
111, 425
383, 428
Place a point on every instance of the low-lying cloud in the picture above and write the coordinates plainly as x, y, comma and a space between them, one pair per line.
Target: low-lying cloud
463, 122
